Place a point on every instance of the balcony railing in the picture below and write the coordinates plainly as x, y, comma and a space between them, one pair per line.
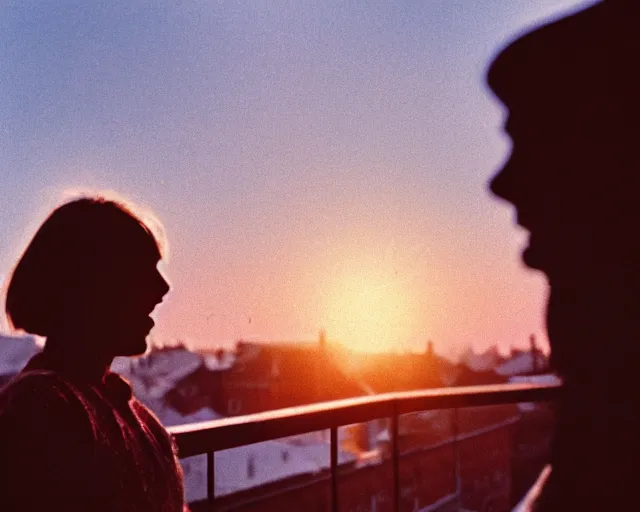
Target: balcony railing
209, 437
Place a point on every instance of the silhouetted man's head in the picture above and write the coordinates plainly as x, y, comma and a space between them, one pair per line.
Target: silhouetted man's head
89, 274
572, 89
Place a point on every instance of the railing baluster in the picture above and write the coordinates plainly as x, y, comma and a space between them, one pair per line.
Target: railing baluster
456, 451
334, 469
395, 461
211, 480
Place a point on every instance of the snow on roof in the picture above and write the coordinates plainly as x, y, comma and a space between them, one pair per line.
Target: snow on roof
170, 417
545, 379
520, 364
122, 366
253, 465
152, 376
481, 362
148, 388
173, 364
383, 436
15, 352
214, 363
320, 437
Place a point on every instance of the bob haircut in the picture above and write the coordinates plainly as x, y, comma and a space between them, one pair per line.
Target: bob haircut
59, 269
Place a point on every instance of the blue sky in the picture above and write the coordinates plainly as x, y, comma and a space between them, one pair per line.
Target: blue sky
277, 140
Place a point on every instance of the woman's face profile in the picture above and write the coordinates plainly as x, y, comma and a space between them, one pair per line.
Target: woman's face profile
126, 294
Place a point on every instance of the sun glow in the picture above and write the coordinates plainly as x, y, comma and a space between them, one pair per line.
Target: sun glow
371, 311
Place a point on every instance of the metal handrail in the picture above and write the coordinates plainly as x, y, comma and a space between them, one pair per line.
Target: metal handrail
222, 434
211, 436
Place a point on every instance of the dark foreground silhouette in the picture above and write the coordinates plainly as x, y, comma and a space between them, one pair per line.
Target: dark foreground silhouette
72, 437
572, 89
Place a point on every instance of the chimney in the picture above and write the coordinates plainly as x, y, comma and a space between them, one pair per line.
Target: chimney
430, 349
322, 340
534, 354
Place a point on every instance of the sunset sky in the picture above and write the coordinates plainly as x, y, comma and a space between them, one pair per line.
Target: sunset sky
315, 164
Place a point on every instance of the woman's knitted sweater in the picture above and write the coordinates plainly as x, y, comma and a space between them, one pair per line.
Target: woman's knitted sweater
72, 442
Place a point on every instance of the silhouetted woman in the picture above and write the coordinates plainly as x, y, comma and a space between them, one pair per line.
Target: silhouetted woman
72, 436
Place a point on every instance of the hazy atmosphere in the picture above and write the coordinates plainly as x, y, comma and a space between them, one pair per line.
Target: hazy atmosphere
314, 166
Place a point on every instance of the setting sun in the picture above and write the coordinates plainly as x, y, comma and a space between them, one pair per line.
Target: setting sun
371, 311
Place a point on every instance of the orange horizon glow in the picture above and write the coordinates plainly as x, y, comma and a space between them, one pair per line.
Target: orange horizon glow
370, 309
